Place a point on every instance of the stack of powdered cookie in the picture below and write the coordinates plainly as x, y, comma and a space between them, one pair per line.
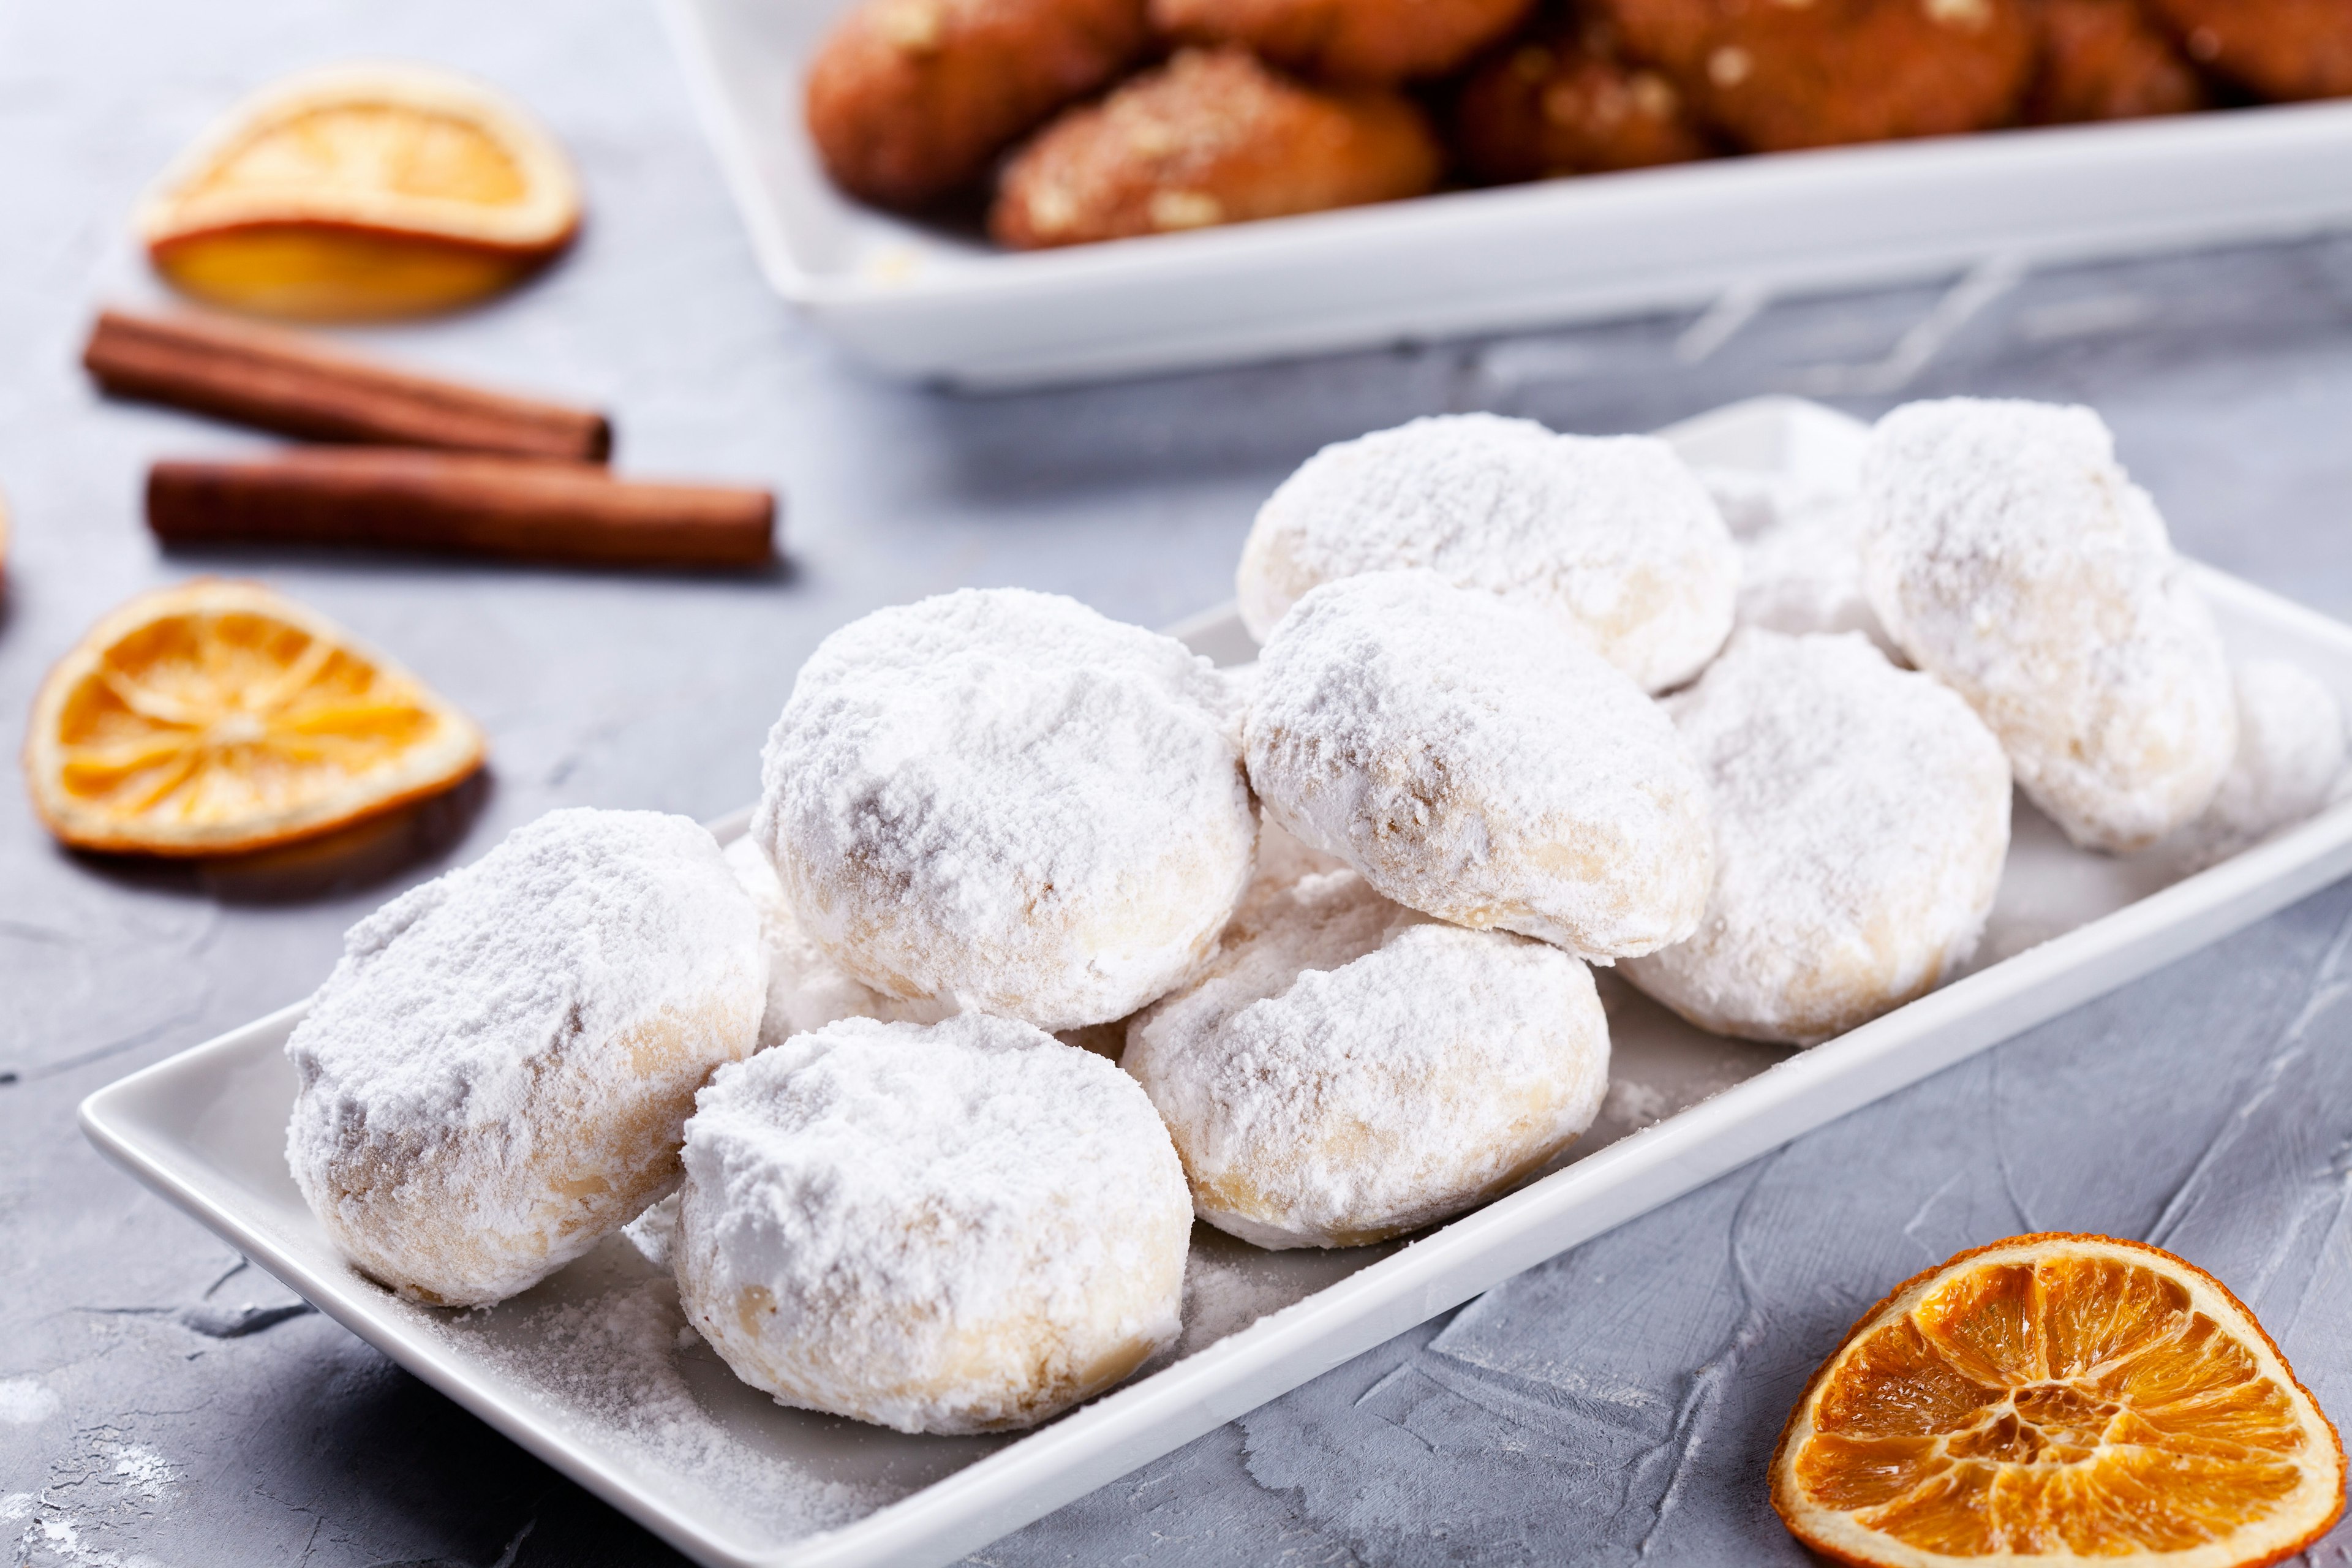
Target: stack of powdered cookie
1049, 937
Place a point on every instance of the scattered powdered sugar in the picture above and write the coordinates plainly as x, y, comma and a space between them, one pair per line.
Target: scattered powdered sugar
1476, 762
494, 1076
27, 1401
1633, 1105
1346, 1070
2008, 554
807, 990
2290, 745
612, 1361
1004, 798
1223, 1295
1611, 536
956, 1227
1861, 821
146, 1473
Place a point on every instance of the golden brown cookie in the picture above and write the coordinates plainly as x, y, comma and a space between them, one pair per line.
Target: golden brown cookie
909, 99
1361, 42
2106, 59
1781, 74
1211, 137
1565, 102
2280, 48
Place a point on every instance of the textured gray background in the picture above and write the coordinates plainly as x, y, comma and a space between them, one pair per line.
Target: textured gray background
158, 1405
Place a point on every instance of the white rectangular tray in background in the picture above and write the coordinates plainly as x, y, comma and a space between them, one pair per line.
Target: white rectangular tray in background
916, 300
591, 1369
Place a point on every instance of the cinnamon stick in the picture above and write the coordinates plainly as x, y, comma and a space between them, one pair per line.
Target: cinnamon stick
284, 382
462, 503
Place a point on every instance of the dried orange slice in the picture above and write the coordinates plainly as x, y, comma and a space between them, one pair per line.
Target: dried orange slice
362, 192
2058, 1399
217, 717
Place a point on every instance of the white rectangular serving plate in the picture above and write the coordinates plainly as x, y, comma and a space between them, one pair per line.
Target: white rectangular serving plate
590, 1371
917, 301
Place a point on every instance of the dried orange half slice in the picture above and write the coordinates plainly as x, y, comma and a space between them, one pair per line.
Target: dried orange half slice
218, 716
362, 192
2058, 1399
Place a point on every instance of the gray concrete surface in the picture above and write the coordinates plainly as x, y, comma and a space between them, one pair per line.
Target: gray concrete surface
160, 1404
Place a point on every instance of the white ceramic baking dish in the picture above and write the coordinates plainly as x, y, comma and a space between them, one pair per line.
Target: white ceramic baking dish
592, 1372
920, 302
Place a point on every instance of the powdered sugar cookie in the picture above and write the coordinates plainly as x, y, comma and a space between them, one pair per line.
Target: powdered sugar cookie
1475, 762
2008, 554
1803, 574
807, 990
495, 1075
1862, 819
964, 1226
2290, 755
1346, 1070
1800, 548
1004, 800
1609, 536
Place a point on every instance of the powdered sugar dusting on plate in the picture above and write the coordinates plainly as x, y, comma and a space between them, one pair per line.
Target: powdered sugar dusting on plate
614, 1363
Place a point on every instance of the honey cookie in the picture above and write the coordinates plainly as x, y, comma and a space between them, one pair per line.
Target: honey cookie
1209, 138
910, 99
